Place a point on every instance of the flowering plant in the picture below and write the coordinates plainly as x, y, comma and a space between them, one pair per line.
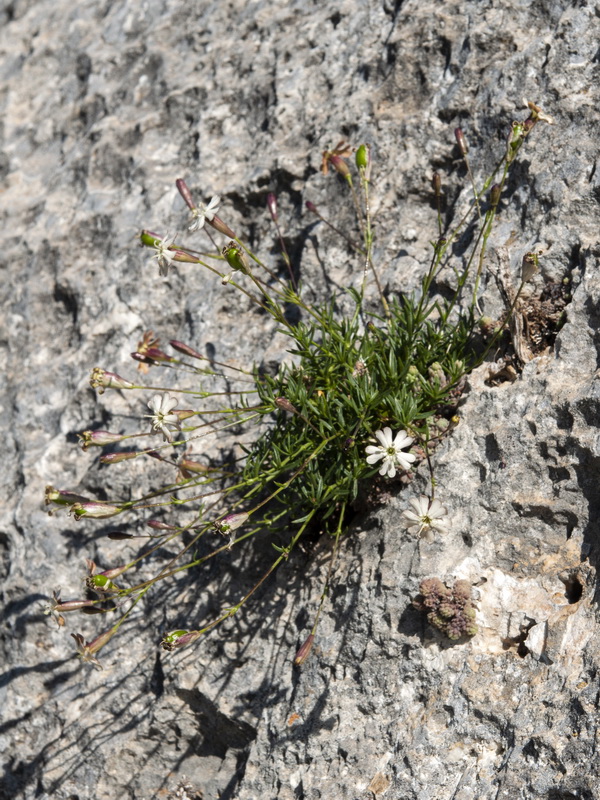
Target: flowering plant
365, 394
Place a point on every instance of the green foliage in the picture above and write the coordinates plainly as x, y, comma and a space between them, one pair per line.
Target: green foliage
391, 377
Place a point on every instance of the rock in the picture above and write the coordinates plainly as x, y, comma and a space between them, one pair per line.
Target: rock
104, 106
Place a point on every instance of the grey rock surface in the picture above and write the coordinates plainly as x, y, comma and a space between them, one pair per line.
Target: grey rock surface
104, 105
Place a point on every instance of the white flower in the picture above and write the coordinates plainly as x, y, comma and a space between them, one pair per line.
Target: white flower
427, 516
163, 255
162, 420
390, 450
202, 213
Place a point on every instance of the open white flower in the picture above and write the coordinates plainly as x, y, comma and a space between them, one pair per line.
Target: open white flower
203, 213
426, 516
163, 255
163, 420
390, 450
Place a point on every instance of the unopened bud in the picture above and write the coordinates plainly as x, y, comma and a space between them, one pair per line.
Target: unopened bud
183, 190
436, 183
187, 467
339, 166
157, 525
218, 224
272, 205
94, 510
116, 458
98, 438
101, 379
118, 535
311, 207
282, 402
461, 141
151, 355
304, 650
187, 350
495, 193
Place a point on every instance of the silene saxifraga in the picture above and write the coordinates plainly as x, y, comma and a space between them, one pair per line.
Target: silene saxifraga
373, 388
163, 420
426, 516
391, 450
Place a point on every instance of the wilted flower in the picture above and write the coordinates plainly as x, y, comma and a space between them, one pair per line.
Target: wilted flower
51, 608
334, 158
390, 450
203, 214
163, 419
537, 115
427, 515
87, 650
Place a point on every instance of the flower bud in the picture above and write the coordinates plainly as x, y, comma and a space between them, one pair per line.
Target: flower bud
74, 605
218, 224
150, 355
183, 190
311, 207
118, 535
116, 458
339, 166
98, 438
304, 650
461, 141
101, 379
282, 402
495, 193
436, 183
94, 510
188, 467
272, 205
175, 639
187, 350
157, 525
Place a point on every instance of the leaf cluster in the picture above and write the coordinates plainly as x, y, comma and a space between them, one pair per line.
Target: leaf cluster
351, 376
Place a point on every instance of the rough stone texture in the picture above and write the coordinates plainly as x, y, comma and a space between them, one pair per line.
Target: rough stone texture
103, 105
